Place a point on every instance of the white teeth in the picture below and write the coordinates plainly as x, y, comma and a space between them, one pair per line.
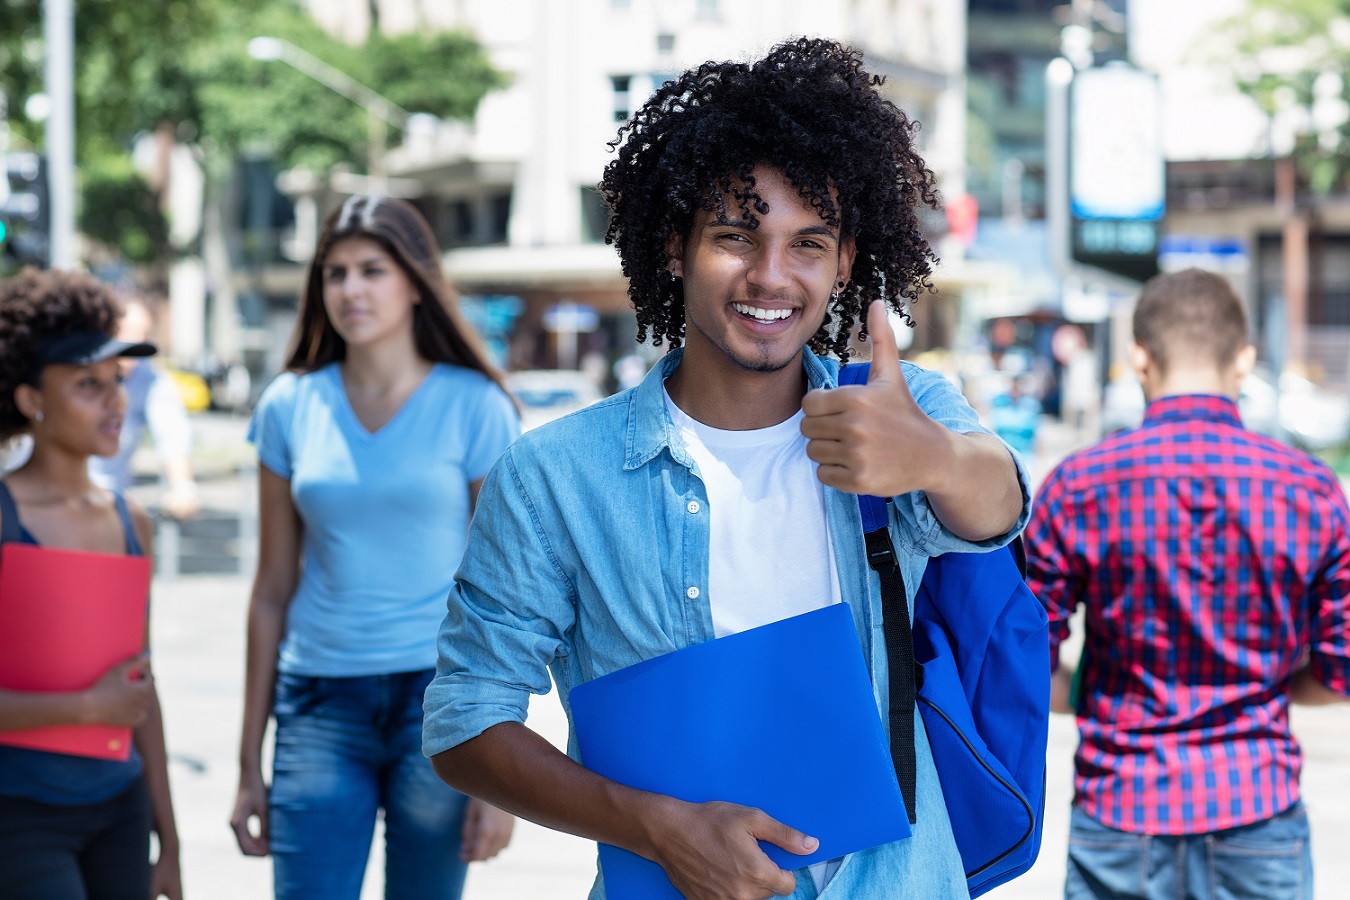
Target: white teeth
761, 315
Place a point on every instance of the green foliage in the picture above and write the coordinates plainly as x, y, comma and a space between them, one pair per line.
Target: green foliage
1282, 46
121, 211
142, 64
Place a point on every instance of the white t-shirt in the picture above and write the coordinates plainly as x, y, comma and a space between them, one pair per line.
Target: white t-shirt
770, 556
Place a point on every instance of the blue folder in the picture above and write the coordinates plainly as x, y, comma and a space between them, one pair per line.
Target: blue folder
779, 717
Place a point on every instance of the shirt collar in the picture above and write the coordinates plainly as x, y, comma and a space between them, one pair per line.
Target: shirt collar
1188, 407
649, 427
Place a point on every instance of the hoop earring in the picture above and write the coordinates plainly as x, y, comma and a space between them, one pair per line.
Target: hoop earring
834, 296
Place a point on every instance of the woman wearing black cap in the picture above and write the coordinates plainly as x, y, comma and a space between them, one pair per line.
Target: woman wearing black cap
76, 826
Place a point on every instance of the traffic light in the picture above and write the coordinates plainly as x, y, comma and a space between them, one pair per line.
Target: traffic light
24, 213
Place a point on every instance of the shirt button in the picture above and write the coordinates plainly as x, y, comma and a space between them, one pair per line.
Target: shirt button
693, 506
692, 593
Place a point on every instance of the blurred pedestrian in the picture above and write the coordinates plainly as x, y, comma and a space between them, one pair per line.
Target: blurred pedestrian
154, 404
74, 826
1015, 416
1213, 565
761, 211
373, 446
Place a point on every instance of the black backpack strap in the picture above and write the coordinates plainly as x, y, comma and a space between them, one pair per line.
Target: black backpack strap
11, 530
895, 625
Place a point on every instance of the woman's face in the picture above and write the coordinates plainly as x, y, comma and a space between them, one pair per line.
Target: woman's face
82, 407
367, 295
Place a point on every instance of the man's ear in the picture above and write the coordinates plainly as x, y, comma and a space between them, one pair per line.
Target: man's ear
848, 251
675, 254
1244, 362
1140, 362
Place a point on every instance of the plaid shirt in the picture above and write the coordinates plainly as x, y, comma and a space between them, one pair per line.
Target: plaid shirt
1208, 559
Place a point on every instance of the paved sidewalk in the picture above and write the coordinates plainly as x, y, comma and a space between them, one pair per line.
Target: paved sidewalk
199, 640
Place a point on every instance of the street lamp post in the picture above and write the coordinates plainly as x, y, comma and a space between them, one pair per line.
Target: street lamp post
380, 111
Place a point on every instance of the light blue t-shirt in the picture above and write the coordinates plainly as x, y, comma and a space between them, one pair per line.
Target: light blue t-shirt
385, 514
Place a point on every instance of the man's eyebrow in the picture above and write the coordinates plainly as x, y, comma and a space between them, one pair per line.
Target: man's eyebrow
723, 222
821, 229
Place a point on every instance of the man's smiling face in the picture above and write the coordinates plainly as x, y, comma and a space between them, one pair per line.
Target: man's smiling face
756, 296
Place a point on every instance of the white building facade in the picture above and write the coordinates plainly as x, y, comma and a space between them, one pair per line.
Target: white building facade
511, 195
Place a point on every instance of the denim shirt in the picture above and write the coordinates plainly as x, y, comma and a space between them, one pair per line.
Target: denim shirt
588, 553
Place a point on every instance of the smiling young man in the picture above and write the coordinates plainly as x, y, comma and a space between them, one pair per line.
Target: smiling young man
759, 210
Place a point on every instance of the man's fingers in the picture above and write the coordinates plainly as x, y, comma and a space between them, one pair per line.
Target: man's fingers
885, 358
767, 828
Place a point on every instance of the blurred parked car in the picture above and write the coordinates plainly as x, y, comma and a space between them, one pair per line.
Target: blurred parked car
546, 394
1298, 412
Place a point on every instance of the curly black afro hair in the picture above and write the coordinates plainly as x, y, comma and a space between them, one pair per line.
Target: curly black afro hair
809, 109
35, 305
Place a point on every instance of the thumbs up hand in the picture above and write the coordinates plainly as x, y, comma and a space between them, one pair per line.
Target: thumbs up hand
873, 438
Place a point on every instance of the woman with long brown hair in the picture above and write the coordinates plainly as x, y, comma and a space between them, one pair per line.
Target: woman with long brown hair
372, 447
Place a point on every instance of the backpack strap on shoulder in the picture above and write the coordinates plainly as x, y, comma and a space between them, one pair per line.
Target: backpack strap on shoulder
895, 625
11, 529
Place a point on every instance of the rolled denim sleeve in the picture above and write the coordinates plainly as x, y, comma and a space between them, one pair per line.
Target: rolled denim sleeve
942, 402
508, 617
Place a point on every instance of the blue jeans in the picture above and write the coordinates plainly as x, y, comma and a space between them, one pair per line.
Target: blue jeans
1267, 860
345, 749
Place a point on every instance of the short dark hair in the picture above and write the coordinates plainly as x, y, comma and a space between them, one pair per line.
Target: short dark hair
808, 109
38, 306
1190, 313
440, 331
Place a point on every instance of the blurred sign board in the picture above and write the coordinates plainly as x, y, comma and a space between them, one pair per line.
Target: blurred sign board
1117, 184
1215, 253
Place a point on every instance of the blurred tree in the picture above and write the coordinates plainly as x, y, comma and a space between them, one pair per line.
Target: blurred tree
121, 211
1290, 57
181, 67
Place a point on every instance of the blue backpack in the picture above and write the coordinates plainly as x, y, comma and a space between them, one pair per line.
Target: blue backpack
977, 664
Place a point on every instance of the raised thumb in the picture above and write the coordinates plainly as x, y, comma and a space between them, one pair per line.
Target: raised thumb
885, 358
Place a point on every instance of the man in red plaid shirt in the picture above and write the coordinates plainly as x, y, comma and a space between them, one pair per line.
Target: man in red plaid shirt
1213, 565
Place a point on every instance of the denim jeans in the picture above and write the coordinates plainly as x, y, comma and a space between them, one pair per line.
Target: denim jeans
90, 851
345, 749
1267, 860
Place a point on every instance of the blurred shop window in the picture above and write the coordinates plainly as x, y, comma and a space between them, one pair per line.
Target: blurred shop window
665, 43
499, 218
461, 218
595, 215
623, 97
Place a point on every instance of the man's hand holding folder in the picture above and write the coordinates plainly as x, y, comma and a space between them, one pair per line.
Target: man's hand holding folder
712, 850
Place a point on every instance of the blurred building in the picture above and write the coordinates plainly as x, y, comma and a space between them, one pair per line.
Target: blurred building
511, 195
1235, 201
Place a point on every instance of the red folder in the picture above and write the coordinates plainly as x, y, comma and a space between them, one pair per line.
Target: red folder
66, 617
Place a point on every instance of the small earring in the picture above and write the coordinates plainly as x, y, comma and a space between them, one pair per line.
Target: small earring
673, 277
834, 296
38, 415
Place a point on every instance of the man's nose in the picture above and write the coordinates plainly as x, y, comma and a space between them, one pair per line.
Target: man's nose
769, 269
